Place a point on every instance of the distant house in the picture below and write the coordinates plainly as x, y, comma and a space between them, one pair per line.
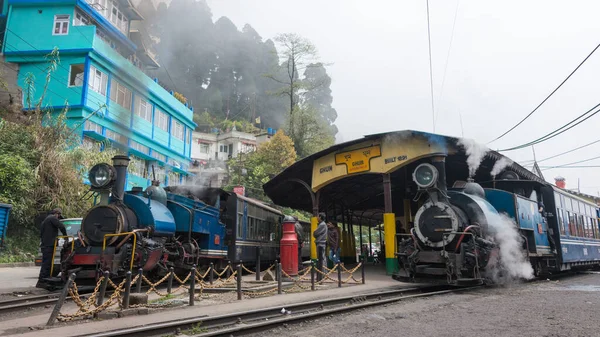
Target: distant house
102, 79
210, 151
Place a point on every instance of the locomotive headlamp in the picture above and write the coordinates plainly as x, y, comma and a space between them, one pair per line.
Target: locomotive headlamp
102, 175
425, 175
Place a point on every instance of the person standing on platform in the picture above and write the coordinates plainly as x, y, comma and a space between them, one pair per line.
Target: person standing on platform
298, 227
320, 235
333, 239
49, 231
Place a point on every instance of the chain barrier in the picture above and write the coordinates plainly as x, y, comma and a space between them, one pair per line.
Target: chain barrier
88, 305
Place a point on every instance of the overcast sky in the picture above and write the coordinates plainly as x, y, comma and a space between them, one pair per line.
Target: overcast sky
506, 56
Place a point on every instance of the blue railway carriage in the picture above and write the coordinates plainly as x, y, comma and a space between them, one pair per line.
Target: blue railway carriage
251, 224
560, 230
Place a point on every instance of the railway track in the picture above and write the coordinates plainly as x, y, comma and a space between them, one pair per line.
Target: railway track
262, 319
25, 302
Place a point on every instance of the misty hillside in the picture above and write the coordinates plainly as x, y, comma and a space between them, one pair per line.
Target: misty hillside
222, 70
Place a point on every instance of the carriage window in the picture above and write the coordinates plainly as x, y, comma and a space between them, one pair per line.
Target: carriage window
580, 227
587, 228
559, 219
557, 200
571, 222
240, 225
595, 225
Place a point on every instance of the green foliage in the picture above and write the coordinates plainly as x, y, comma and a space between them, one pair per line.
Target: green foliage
42, 166
267, 161
311, 132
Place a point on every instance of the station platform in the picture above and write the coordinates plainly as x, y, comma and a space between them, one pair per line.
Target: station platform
376, 281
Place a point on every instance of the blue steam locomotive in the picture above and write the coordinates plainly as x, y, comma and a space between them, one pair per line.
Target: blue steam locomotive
157, 229
495, 231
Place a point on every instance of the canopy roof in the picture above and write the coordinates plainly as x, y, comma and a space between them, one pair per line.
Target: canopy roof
349, 175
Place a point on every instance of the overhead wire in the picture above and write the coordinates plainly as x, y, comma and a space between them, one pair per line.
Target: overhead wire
560, 130
547, 97
430, 69
446, 68
573, 163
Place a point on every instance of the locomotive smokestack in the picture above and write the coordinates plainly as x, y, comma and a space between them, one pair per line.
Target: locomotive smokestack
120, 164
440, 165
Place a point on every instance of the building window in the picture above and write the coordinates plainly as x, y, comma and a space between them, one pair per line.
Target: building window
81, 19
138, 166
161, 120
118, 19
204, 148
143, 109
120, 95
91, 126
98, 80
159, 156
189, 136
178, 130
76, 75
223, 148
139, 147
61, 24
90, 144
116, 137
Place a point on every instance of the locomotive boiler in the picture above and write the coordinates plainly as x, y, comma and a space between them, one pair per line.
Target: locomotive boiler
449, 238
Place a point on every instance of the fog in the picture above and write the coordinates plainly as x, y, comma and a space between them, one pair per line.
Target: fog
504, 59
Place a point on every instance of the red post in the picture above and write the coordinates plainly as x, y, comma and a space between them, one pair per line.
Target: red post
289, 247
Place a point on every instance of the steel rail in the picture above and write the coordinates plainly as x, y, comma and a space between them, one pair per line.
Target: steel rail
264, 318
27, 302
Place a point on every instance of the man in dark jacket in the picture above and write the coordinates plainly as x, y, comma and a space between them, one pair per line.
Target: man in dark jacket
320, 235
48, 233
300, 238
333, 239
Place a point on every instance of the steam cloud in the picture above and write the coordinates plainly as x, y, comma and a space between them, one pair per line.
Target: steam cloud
500, 165
475, 154
511, 264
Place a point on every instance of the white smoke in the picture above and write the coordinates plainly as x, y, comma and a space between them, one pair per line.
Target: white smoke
500, 165
475, 154
512, 263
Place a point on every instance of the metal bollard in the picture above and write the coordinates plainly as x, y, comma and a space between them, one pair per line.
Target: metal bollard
192, 285
229, 269
170, 280
127, 290
339, 268
279, 278
239, 281
61, 300
362, 270
211, 274
258, 263
139, 281
102, 292
312, 275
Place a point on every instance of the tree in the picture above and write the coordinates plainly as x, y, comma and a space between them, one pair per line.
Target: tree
260, 166
318, 93
312, 132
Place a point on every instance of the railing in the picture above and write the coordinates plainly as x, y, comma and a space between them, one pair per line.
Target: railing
54, 249
128, 235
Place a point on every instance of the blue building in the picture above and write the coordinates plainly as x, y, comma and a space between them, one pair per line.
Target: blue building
102, 79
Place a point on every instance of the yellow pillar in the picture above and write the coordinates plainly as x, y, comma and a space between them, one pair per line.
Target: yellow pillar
389, 228
314, 222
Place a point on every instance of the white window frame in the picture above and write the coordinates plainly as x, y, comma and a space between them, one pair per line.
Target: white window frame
178, 130
61, 20
204, 148
161, 119
98, 80
121, 95
81, 19
143, 109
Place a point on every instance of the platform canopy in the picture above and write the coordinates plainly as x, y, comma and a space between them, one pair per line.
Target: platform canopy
348, 178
